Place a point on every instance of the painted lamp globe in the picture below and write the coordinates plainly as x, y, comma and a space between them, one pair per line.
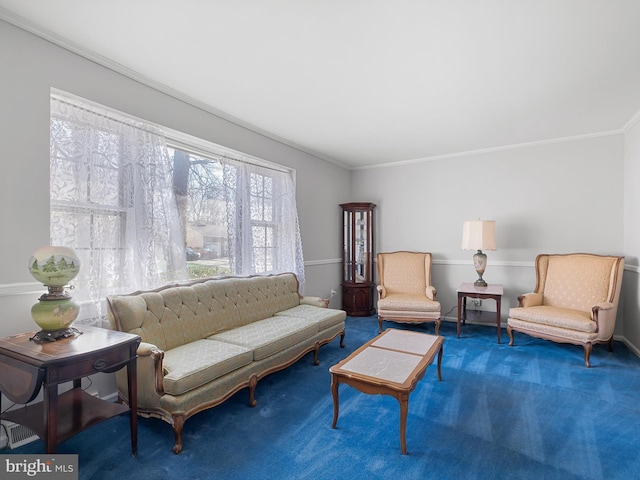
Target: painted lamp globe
55, 311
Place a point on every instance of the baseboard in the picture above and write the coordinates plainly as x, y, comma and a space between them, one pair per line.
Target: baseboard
629, 345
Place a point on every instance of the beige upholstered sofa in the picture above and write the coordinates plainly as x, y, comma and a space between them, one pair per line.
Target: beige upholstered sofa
205, 340
405, 293
575, 300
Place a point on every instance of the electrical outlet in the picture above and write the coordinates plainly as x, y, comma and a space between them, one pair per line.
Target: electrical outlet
333, 293
476, 302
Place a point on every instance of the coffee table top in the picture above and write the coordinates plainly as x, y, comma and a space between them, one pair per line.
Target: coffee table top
397, 357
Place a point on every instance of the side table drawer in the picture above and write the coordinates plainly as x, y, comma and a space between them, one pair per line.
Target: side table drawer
108, 361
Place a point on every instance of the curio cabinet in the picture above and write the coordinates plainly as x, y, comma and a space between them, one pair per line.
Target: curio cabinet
357, 259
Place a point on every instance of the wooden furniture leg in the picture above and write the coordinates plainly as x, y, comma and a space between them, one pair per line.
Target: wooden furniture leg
334, 394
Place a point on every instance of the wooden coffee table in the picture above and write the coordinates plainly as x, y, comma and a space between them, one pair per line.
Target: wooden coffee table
390, 364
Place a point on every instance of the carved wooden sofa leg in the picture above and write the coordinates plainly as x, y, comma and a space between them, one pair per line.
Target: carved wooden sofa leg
178, 424
316, 349
253, 382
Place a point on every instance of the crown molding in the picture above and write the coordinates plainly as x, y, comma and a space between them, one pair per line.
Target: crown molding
495, 149
632, 121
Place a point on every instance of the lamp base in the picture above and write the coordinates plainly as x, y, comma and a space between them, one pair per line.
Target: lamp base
480, 283
53, 335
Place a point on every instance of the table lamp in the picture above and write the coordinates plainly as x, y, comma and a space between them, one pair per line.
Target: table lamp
479, 235
55, 311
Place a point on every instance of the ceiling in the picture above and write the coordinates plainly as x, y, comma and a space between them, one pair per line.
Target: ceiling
372, 82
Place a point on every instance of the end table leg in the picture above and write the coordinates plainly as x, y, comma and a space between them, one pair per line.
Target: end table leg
440, 362
50, 398
132, 385
334, 394
498, 302
459, 312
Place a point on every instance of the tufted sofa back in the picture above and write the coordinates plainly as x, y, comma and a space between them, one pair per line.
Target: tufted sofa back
178, 314
578, 281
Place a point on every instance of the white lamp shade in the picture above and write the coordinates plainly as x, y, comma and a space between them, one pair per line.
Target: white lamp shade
479, 235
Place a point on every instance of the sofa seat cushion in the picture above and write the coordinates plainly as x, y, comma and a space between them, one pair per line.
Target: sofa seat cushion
409, 302
269, 336
194, 364
323, 317
556, 317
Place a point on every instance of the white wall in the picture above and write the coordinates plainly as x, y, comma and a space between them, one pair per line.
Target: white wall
553, 198
29, 68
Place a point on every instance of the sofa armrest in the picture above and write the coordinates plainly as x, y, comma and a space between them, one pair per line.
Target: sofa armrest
431, 292
530, 299
382, 292
150, 365
604, 316
315, 301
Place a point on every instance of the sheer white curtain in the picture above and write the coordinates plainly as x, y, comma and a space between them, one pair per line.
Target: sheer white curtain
112, 200
262, 221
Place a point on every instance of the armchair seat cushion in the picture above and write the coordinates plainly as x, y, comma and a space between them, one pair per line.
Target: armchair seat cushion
555, 317
408, 302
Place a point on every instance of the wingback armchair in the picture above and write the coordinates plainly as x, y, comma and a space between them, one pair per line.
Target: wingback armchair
575, 301
405, 293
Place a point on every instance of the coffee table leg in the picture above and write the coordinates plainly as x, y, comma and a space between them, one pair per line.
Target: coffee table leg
334, 393
404, 409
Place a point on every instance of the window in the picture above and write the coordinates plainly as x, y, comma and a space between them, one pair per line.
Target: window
239, 218
141, 214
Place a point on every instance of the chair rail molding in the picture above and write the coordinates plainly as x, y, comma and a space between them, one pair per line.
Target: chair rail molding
26, 288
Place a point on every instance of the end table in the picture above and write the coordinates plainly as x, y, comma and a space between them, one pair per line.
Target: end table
27, 366
469, 290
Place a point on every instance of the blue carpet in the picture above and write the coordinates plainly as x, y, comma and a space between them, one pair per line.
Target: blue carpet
528, 411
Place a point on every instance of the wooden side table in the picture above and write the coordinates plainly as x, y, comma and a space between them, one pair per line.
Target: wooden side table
469, 290
27, 366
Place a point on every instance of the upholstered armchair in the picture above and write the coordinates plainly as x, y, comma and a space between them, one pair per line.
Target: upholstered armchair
575, 301
405, 293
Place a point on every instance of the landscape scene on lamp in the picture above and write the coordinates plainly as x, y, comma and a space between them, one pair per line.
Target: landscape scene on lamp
55, 270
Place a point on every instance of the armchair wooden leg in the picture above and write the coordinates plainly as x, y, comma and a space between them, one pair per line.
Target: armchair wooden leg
587, 354
510, 332
379, 324
611, 344
438, 326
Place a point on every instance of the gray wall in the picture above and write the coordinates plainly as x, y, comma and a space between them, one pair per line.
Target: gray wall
554, 198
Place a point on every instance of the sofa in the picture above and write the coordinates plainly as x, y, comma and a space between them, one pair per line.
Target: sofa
204, 340
575, 301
